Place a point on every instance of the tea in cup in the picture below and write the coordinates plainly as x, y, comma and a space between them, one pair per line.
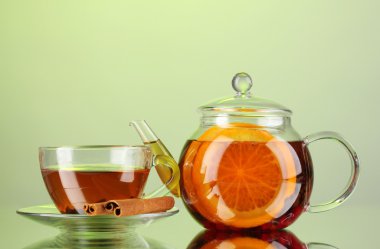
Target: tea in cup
75, 176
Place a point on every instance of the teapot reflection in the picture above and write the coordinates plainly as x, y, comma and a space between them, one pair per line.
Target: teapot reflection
252, 240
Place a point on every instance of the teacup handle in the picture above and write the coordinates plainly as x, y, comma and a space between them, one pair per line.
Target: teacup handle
354, 170
172, 183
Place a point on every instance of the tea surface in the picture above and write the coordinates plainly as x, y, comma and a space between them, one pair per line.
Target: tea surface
71, 187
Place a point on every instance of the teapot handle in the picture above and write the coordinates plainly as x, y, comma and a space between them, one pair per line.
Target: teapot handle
354, 170
315, 245
167, 161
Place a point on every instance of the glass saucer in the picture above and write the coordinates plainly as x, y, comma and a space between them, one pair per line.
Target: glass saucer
49, 215
82, 231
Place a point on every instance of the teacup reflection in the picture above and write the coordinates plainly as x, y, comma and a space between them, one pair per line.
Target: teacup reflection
252, 240
129, 241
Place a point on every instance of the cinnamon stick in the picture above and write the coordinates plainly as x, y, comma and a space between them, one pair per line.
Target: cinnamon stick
143, 206
130, 207
96, 209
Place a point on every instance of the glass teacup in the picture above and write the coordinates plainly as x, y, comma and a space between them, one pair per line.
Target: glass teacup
75, 176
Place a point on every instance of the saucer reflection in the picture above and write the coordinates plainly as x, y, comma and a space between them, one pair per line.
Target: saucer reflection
252, 240
134, 241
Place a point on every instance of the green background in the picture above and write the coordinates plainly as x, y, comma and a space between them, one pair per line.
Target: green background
76, 72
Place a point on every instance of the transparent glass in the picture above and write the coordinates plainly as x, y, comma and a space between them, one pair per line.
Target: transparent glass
75, 176
247, 167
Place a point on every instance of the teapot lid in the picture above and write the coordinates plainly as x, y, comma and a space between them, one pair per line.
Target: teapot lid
244, 103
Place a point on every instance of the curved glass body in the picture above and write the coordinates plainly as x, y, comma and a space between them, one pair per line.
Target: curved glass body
246, 167
246, 172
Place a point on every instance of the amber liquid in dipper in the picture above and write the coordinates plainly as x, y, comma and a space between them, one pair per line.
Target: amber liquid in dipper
71, 188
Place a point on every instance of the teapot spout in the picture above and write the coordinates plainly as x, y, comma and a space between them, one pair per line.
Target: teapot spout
158, 149
145, 132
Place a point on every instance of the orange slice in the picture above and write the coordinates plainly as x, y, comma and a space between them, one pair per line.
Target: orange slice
248, 176
238, 176
236, 132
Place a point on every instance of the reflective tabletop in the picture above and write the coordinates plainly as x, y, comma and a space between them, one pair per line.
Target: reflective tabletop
346, 227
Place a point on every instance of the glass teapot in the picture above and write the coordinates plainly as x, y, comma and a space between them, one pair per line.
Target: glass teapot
247, 167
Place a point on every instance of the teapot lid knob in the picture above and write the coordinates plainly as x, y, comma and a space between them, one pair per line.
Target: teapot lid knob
242, 83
